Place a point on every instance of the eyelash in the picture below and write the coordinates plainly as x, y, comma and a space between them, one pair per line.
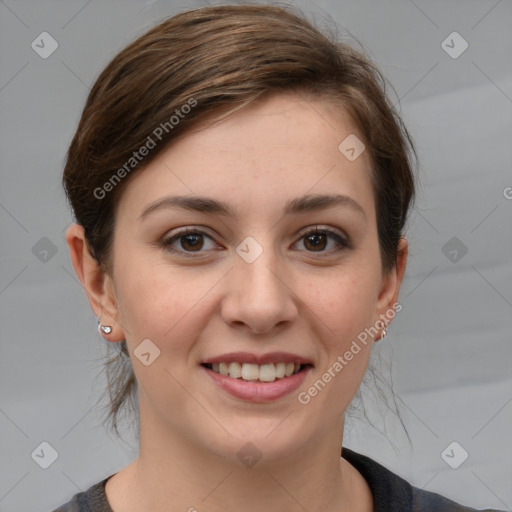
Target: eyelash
343, 242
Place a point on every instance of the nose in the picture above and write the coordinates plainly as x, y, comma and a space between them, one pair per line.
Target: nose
259, 296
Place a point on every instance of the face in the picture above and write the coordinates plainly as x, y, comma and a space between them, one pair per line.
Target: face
279, 263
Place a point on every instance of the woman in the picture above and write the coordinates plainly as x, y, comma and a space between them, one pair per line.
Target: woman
240, 184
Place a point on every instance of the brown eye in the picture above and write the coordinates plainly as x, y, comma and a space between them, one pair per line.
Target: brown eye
188, 241
324, 241
192, 242
315, 241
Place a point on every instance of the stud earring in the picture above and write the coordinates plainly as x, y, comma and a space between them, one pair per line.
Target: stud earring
104, 329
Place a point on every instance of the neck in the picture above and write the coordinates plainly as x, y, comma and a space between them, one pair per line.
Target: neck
172, 473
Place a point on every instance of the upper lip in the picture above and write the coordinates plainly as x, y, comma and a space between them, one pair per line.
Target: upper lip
247, 357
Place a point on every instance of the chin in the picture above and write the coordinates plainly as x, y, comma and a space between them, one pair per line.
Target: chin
266, 440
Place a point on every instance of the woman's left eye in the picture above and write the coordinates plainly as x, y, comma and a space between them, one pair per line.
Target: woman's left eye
316, 240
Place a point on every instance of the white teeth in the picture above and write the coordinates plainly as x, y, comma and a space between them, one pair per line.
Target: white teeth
235, 370
280, 370
223, 369
267, 372
249, 371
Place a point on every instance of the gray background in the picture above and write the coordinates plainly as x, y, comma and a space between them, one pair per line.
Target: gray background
450, 346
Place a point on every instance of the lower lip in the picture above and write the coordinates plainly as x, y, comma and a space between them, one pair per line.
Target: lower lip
256, 391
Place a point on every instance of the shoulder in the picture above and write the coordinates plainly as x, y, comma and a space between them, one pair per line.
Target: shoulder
70, 506
393, 493
93, 499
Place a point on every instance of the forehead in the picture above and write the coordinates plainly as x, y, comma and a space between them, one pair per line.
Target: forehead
282, 147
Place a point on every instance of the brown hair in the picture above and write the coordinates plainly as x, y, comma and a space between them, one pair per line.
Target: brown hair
215, 60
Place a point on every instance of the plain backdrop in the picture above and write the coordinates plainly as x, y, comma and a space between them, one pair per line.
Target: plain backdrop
450, 347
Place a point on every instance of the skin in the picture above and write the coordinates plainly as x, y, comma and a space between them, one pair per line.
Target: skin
292, 298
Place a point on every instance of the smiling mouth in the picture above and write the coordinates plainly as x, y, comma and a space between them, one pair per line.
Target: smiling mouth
255, 372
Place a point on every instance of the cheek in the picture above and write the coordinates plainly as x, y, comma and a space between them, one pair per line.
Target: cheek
343, 302
341, 310
163, 302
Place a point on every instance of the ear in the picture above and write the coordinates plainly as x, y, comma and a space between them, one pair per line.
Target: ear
391, 282
97, 284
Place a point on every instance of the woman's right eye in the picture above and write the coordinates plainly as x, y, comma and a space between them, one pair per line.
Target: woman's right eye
188, 240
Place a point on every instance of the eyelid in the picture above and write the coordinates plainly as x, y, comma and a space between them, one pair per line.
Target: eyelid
324, 229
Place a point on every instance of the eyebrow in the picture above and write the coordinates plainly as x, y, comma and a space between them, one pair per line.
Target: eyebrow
303, 204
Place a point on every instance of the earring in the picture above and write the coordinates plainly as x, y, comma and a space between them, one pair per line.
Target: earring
384, 331
104, 329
